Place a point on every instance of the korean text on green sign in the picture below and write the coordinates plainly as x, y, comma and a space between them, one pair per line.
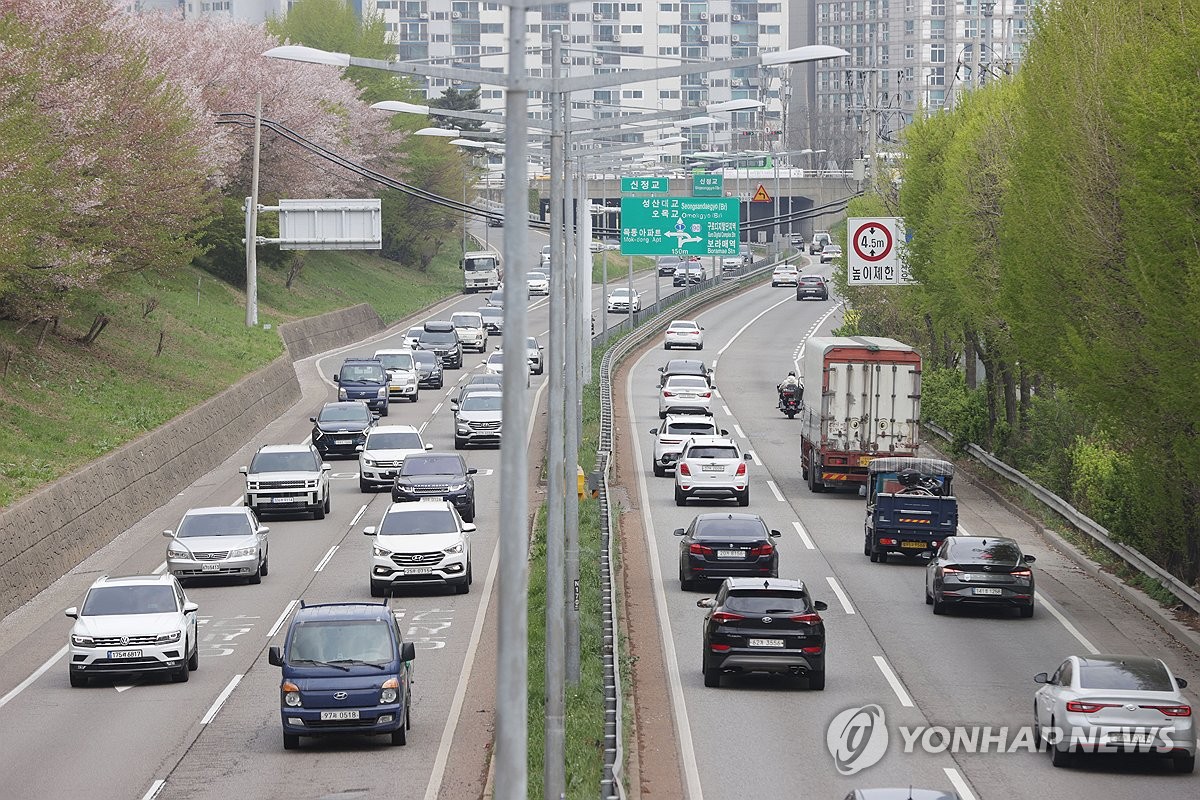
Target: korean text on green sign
658, 185
708, 184
653, 226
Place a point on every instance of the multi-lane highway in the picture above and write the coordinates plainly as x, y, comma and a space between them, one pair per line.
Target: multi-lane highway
219, 734
765, 737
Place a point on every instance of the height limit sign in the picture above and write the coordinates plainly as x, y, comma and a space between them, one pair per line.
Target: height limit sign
873, 257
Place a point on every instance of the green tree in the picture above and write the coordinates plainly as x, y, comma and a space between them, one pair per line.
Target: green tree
454, 100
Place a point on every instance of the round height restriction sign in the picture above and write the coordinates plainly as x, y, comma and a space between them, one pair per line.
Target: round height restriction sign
872, 241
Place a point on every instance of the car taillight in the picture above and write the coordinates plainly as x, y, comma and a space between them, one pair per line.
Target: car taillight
950, 571
1022, 573
762, 549
668, 394
720, 648
812, 618
726, 616
741, 469
1088, 708
707, 394
1173, 711
812, 651
683, 470
700, 550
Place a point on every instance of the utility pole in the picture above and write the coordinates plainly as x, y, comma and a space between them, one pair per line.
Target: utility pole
571, 402
252, 224
988, 6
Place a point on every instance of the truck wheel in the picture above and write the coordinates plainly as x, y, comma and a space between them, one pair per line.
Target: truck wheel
874, 556
291, 741
883, 557
867, 545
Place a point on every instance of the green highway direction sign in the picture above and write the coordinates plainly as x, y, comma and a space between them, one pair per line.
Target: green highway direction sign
658, 185
708, 184
653, 226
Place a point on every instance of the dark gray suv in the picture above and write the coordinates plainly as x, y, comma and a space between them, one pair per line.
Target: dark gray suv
443, 475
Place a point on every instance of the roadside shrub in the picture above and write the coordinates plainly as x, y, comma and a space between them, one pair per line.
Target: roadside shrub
947, 402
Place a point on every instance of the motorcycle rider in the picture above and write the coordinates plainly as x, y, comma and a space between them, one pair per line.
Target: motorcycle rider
791, 386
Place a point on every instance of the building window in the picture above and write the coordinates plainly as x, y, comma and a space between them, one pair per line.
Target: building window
910, 27
910, 52
632, 94
937, 29
631, 29
937, 54
669, 29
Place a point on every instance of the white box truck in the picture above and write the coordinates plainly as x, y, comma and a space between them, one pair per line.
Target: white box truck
481, 271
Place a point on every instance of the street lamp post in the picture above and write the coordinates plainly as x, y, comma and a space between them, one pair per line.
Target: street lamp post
988, 6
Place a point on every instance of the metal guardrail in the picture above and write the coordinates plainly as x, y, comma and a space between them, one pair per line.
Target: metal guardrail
1132, 556
644, 325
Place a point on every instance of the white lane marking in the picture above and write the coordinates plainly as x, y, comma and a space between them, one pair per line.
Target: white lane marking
841, 595
321, 564
738, 430
683, 728
716, 361
358, 516
161, 568
754, 456
742, 330
960, 784
460, 691
436, 409
775, 491
154, 789
287, 610
897, 687
808, 543
1066, 623
220, 701
726, 410
798, 353
241, 499
123, 688
37, 673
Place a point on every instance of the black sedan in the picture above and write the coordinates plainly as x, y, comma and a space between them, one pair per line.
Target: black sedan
970, 570
756, 625
812, 286
341, 428
726, 545
429, 369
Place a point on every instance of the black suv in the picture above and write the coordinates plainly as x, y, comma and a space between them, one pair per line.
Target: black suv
763, 625
683, 366
364, 379
429, 369
441, 338
341, 428
442, 475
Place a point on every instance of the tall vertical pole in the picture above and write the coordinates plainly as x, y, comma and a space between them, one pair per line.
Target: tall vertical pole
584, 289
777, 243
571, 403
252, 223
512, 650
604, 296
987, 40
554, 773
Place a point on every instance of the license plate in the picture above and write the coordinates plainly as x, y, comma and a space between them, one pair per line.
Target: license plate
711, 468
336, 715
987, 590
730, 553
343, 441
283, 499
119, 654
415, 571
210, 567
912, 545
766, 642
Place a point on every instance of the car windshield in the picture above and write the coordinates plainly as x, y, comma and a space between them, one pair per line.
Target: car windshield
354, 413
439, 520
438, 337
1140, 675
341, 640
537, 276
712, 451
492, 313
690, 428
415, 333
362, 373
620, 293
465, 320
433, 465
767, 601
485, 380
394, 441
114, 600
424, 359
729, 527
284, 462
683, 326
482, 402
479, 264
496, 360
687, 382
402, 361
813, 279
227, 524
531, 343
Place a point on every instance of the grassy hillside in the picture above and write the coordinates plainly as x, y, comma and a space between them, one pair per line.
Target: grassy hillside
65, 403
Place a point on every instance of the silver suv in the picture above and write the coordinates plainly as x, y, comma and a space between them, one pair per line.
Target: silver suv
287, 477
478, 419
712, 466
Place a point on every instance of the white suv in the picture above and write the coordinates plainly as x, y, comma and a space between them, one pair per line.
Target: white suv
133, 625
712, 466
471, 332
673, 432
685, 393
422, 543
218, 542
383, 454
287, 477
402, 373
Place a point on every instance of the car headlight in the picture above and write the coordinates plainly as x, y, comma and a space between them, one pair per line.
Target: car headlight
463, 429
382, 392
379, 551
167, 638
389, 691
342, 394
173, 553
291, 694
456, 487
243, 552
454, 549
82, 641
313, 484
368, 462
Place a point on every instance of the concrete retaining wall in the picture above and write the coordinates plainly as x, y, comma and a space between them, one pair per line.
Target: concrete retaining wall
45, 535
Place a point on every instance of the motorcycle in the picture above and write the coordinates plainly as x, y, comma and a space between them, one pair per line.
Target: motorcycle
789, 402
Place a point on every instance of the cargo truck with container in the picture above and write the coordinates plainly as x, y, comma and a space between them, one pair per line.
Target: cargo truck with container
911, 507
862, 401
481, 271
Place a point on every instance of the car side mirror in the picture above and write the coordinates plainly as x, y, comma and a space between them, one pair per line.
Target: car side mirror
358, 448
472, 471
660, 369
326, 467
724, 432
862, 491
680, 531
428, 447
72, 612
244, 470
169, 534
705, 602
775, 534
654, 431
454, 402
747, 457
469, 527
190, 608
1030, 559
820, 605
1041, 677
369, 530
312, 419
264, 530
1182, 682
408, 651
275, 656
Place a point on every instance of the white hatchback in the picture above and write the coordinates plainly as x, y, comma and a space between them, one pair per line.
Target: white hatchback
684, 333
687, 394
133, 625
423, 543
381, 457
712, 466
